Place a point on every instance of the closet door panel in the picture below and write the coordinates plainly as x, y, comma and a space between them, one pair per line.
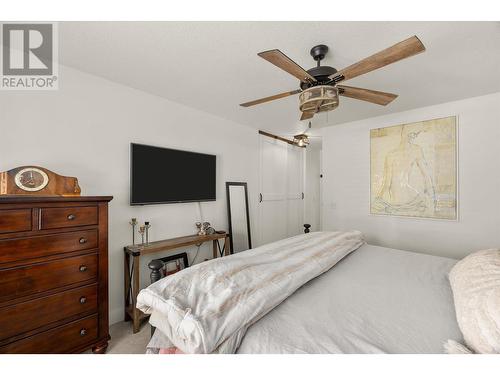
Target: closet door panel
281, 207
295, 188
273, 183
275, 223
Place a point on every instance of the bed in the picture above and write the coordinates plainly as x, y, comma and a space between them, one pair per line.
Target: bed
375, 300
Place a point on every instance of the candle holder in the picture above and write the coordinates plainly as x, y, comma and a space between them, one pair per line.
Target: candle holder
142, 230
147, 226
133, 222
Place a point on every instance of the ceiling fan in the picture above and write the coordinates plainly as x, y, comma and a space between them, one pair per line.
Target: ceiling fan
303, 139
319, 89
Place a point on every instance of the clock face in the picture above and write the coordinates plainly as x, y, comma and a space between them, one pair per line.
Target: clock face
31, 179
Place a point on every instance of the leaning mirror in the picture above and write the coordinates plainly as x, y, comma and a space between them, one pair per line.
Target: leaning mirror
238, 217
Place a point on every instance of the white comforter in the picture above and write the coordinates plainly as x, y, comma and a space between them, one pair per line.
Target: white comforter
208, 307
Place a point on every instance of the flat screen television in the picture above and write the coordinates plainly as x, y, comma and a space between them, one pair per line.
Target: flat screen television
163, 175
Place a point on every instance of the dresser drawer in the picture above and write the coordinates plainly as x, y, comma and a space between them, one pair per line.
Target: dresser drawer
15, 220
40, 277
25, 248
26, 316
52, 218
62, 339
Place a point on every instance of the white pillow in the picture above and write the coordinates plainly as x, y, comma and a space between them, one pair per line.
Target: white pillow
475, 281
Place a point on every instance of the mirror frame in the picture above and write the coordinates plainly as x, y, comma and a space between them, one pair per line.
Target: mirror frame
244, 184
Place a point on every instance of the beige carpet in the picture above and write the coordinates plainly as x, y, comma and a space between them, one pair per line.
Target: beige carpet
123, 341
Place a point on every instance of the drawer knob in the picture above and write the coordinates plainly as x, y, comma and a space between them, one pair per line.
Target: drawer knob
82, 240
71, 217
83, 299
83, 332
83, 268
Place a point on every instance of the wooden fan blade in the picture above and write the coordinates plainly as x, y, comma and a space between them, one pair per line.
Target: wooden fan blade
372, 96
399, 51
269, 98
282, 61
306, 115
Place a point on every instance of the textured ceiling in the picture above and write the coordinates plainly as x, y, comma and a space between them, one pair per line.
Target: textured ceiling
213, 66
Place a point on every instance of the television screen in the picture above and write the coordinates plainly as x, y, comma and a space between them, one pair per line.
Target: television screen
163, 175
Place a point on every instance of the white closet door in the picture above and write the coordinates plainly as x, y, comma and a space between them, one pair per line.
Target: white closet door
281, 186
295, 188
273, 190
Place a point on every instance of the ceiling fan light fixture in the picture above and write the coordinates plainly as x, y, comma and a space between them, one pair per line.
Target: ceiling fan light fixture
301, 140
319, 99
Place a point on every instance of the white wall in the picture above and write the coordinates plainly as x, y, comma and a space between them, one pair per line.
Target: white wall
85, 128
346, 168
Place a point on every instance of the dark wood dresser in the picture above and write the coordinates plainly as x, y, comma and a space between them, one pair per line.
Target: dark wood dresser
53, 274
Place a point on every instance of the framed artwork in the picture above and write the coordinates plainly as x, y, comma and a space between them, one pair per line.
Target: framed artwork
174, 263
413, 169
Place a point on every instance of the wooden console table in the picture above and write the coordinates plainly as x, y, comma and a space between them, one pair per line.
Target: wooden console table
132, 268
